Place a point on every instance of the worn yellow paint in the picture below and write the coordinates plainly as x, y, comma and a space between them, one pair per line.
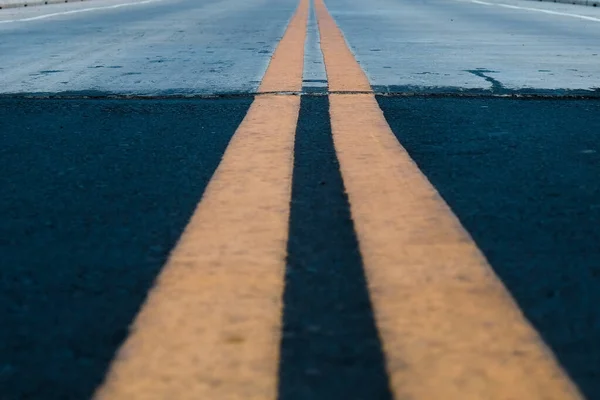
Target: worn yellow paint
210, 327
346, 75
450, 329
287, 64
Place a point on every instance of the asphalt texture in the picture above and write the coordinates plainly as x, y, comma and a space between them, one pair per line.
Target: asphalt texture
522, 177
95, 194
330, 347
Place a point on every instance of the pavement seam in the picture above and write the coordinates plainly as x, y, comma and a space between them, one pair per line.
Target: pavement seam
576, 96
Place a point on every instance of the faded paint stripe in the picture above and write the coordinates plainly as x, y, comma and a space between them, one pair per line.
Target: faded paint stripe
345, 75
288, 58
449, 327
210, 328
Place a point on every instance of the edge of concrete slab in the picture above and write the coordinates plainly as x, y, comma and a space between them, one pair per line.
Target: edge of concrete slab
20, 3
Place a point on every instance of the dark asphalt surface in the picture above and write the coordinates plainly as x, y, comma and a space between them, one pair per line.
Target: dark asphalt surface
95, 193
94, 196
522, 176
330, 347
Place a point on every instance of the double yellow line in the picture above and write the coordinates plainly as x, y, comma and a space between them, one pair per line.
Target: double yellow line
211, 326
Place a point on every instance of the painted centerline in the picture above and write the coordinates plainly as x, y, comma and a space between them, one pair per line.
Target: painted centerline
210, 328
520, 178
450, 329
330, 347
287, 64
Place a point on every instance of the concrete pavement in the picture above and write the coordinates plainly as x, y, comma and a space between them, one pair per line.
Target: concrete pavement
591, 3
153, 48
456, 46
4, 4
209, 48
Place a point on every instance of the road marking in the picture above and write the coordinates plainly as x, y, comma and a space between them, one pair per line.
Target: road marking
450, 329
83, 10
210, 328
347, 75
485, 3
288, 59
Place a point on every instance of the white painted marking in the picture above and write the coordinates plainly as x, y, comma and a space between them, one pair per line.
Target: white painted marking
485, 3
45, 16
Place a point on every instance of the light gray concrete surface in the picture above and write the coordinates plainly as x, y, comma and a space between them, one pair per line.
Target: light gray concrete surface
314, 67
592, 3
511, 44
149, 47
181, 47
24, 3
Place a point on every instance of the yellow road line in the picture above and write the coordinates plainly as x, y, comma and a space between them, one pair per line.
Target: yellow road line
210, 328
287, 64
345, 74
450, 329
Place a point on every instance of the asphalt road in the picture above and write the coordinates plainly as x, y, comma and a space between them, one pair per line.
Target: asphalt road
98, 185
519, 174
95, 195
